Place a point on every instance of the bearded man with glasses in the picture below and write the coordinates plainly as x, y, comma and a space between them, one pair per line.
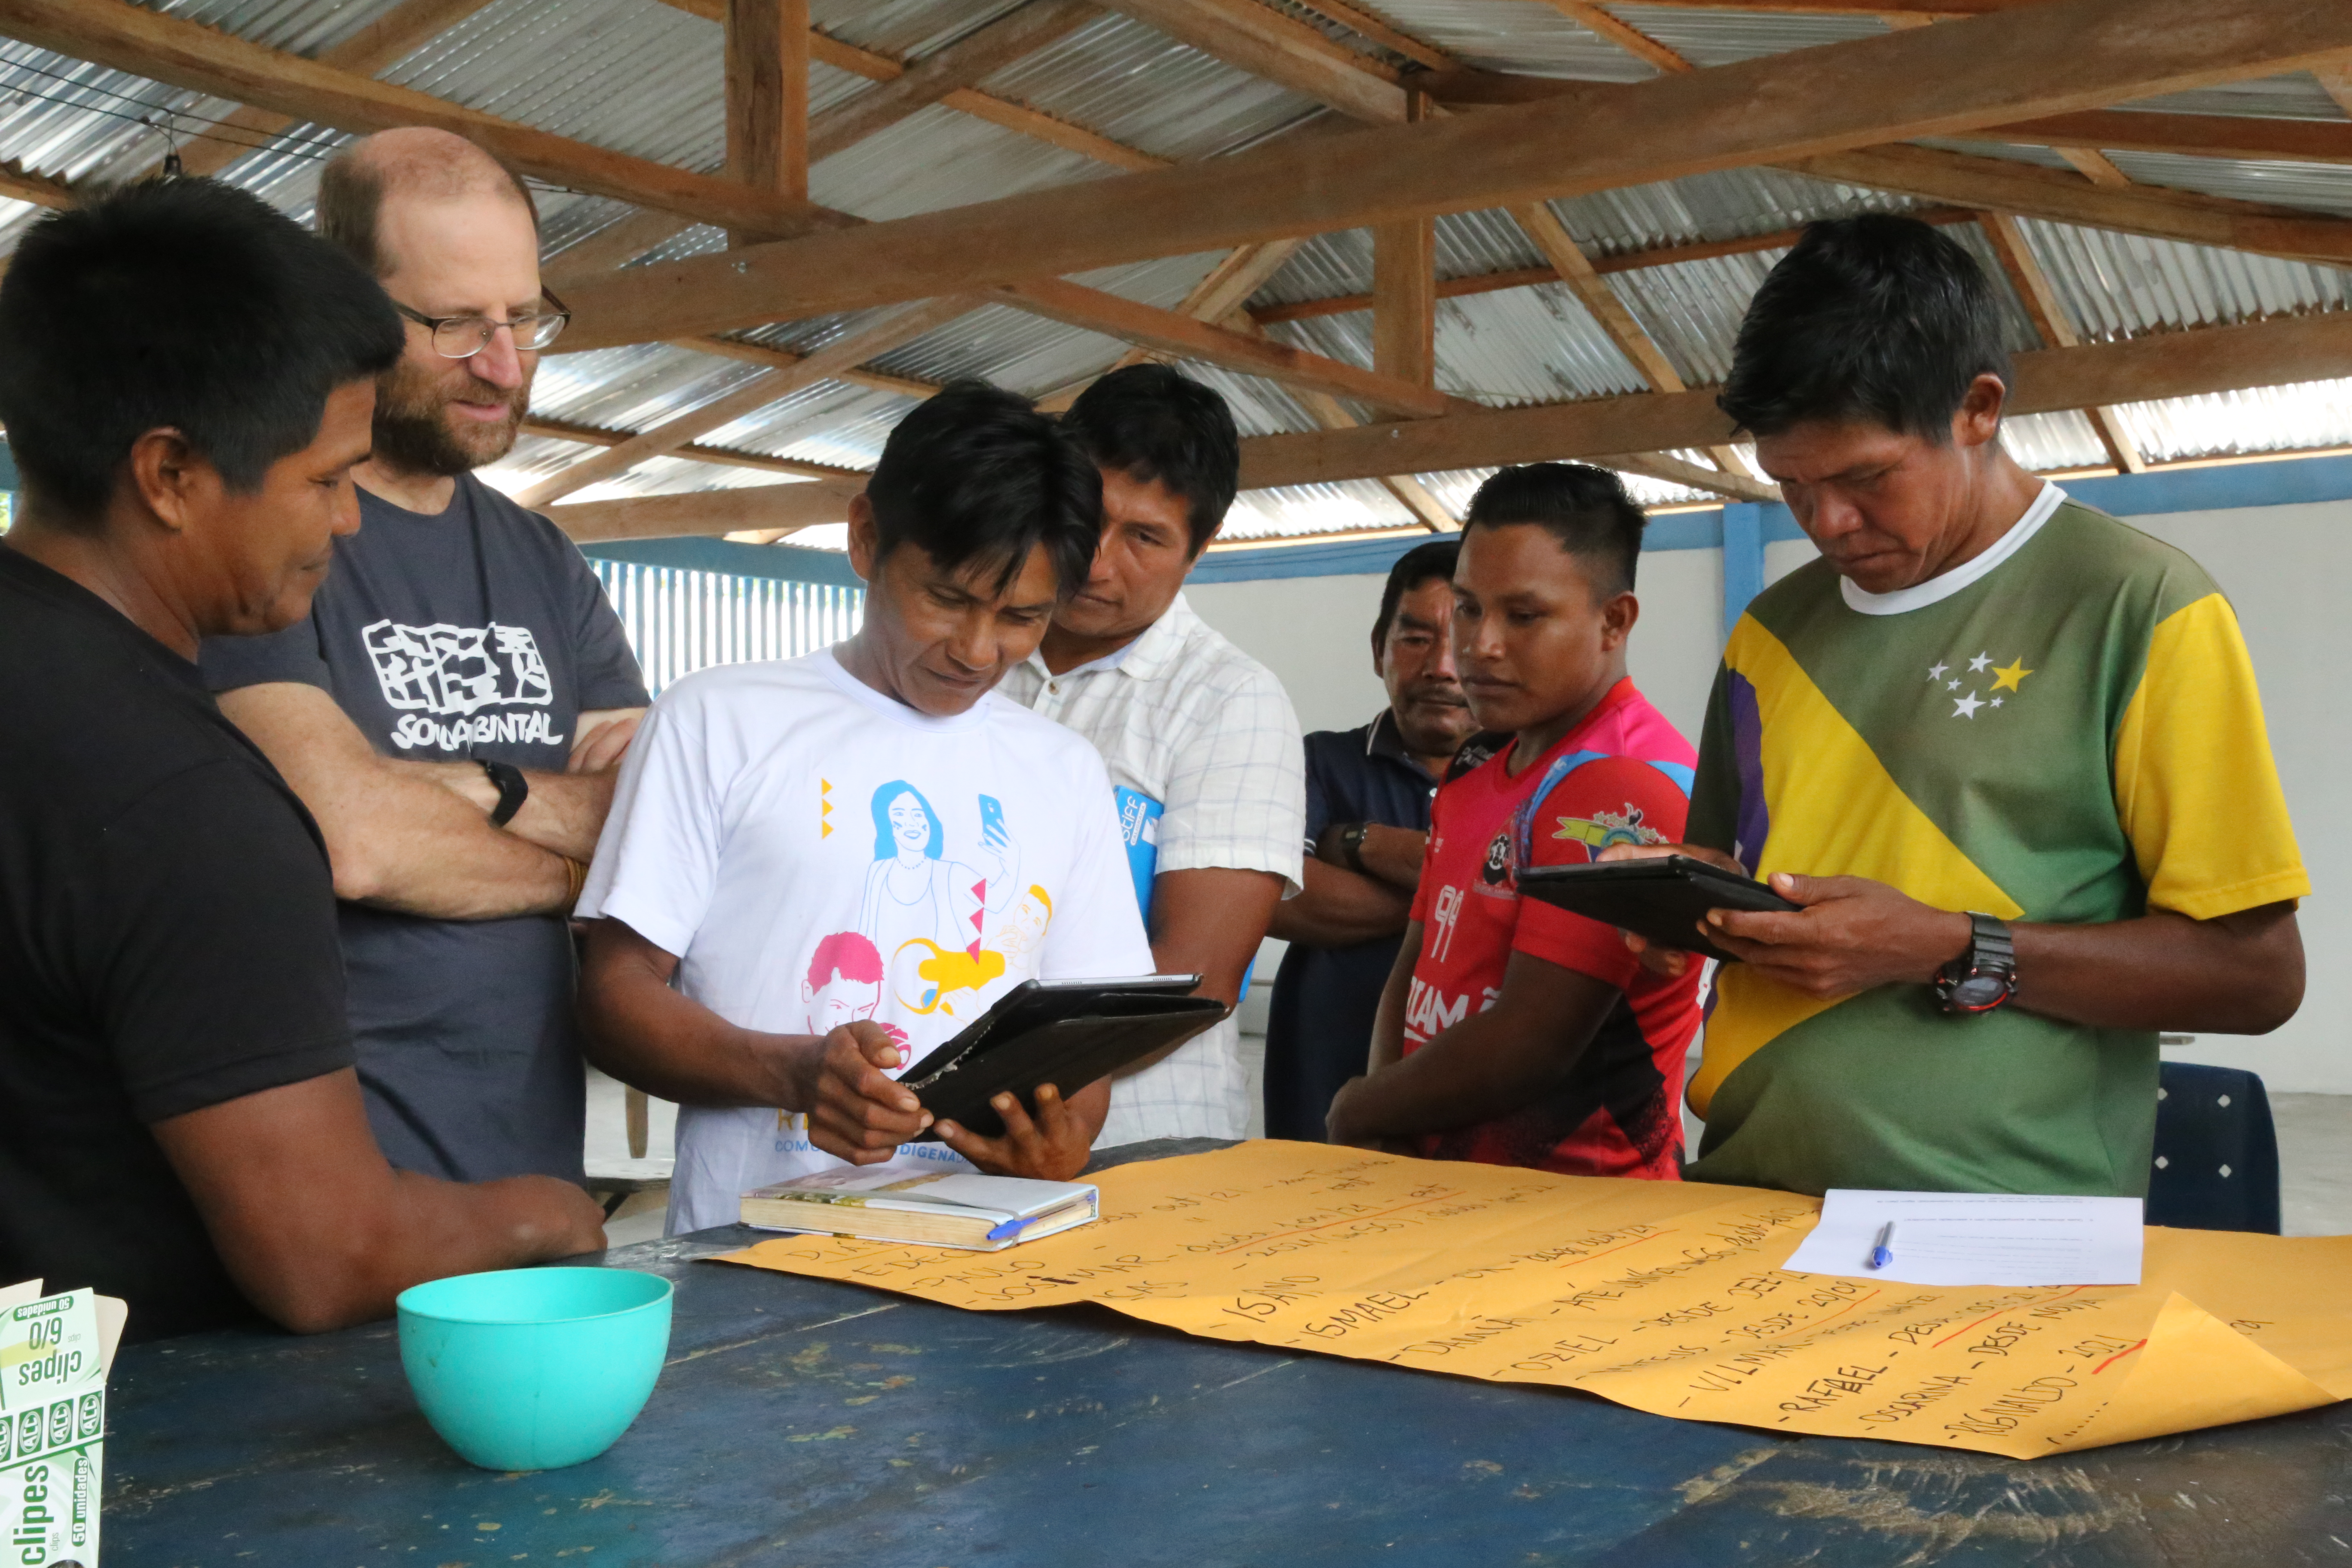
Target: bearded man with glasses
454, 709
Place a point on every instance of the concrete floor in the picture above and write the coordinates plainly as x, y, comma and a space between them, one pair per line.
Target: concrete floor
2314, 1134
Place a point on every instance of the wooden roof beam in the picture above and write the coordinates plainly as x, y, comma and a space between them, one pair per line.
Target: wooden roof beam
2168, 365
726, 456
761, 390
766, 69
1282, 49
2194, 135
1622, 261
1215, 298
963, 64
18, 184
2049, 323
1003, 112
1168, 332
188, 55
2055, 57
779, 511
2004, 186
384, 42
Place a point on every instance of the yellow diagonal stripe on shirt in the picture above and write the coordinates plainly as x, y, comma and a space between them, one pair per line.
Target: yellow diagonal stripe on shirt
1835, 812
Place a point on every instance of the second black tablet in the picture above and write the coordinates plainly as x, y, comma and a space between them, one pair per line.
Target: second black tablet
1661, 899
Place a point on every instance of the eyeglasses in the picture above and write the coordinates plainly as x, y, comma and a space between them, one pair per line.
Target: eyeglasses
463, 337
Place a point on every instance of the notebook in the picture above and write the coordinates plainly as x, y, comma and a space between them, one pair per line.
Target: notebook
914, 1200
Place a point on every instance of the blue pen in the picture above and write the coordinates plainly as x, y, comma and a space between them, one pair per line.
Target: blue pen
1883, 1253
1013, 1228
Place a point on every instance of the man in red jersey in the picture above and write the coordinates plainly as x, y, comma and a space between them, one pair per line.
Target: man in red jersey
1511, 1032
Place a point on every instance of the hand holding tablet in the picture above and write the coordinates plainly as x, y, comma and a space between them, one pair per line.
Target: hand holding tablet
1663, 899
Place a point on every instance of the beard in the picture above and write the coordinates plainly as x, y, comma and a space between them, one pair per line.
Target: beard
415, 432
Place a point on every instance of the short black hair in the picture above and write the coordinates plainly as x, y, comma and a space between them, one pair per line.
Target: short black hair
1159, 428
975, 475
1873, 317
1585, 508
1414, 567
183, 303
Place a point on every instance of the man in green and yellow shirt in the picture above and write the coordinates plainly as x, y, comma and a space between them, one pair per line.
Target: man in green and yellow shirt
2005, 750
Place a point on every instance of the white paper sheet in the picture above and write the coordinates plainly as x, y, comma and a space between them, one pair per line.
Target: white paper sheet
1976, 1238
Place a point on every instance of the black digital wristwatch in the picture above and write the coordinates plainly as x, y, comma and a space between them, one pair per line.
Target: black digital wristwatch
513, 790
1984, 977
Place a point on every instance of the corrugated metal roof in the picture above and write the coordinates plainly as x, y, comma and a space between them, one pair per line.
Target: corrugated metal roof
644, 79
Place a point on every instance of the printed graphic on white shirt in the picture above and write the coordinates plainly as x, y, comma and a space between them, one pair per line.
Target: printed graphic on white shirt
443, 672
817, 855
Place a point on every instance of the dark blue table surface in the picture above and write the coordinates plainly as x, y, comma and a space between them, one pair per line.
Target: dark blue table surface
801, 1421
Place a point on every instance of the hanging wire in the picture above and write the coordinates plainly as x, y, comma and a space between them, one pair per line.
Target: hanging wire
171, 146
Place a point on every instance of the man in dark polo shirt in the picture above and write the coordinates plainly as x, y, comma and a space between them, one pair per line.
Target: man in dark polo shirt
186, 379
453, 707
1368, 793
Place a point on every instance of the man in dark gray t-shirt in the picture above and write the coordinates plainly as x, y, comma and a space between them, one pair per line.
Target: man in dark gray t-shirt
476, 635
453, 710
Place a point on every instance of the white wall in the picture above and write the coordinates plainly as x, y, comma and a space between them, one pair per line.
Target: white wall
2286, 569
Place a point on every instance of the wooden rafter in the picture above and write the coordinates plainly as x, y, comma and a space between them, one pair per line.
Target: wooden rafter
1939, 9
1381, 31
2049, 322
785, 359
1622, 261
18, 184
1404, 291
1217, 298
778, 510
2170, 365
1263, 42
2054, 57
726, 456
1594, 19
387, 40
1610, 313
1003, 112
2004, 186
963, 64
169, 49
2093, 165
1733, 483
186, 54
2336, 78
2195, 135
767, 94
1405, 490
901, 327
1171, 334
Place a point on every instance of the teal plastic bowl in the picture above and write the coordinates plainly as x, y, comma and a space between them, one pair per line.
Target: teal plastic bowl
534, 1369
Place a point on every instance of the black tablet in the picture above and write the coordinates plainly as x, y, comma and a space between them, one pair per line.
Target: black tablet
1663, 899
1067, 1033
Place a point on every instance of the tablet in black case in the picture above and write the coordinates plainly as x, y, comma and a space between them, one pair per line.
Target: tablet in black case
1663, 899
1067, 1033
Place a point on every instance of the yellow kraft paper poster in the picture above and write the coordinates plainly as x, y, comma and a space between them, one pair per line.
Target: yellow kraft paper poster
1663, 1296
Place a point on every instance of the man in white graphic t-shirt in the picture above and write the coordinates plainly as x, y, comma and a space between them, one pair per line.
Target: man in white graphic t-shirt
817, 869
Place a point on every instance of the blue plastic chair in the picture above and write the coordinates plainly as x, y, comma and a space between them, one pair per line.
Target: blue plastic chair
2216, 1151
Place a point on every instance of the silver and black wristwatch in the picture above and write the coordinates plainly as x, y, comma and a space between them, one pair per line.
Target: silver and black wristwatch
1981, 978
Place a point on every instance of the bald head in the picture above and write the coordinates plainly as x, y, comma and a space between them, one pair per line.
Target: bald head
414, 164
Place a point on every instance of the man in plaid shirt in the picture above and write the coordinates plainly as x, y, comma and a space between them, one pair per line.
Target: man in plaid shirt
1202, 746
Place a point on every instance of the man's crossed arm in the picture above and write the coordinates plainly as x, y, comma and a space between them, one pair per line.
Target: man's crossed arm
416, 836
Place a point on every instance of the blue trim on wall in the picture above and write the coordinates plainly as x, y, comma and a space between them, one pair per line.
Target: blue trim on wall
785, 562
2287, 481
1743, 558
